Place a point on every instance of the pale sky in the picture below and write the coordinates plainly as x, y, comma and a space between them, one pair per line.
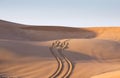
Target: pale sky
77, 13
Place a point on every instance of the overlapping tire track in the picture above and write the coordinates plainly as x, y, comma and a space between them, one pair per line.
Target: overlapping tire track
60, 62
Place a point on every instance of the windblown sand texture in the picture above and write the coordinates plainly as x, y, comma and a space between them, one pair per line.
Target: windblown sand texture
28, 51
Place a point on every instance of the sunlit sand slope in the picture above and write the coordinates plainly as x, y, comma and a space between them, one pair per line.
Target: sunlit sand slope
91, 52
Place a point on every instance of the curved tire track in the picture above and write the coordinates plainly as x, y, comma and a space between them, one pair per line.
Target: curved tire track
60, 64
70, 65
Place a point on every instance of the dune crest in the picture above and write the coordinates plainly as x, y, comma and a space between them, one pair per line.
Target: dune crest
91, 52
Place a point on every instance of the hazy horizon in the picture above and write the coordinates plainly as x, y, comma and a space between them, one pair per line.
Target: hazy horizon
75, 13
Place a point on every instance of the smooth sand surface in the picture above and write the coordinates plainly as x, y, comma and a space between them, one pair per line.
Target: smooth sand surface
114, 74
91, 53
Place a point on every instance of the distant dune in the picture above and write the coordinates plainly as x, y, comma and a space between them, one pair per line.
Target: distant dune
26, 52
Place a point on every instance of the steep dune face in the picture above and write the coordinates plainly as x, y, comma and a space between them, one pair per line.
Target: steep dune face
23, 32
11, 31
53, 33
25, 53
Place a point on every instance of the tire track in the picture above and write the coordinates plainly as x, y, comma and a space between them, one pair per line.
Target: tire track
60, 64
60, 57
64, 46
70, 65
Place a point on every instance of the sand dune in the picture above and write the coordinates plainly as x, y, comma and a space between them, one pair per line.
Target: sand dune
91, 53
107, 33
114, 74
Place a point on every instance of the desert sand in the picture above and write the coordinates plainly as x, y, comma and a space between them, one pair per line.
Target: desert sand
43, 52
